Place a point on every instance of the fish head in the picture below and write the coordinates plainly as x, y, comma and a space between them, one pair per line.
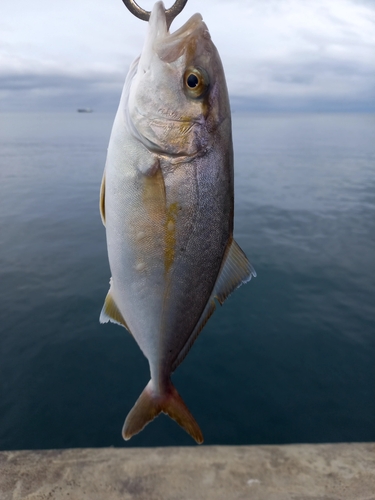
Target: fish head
177, 97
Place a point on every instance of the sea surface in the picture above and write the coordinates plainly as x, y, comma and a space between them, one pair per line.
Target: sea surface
289, 358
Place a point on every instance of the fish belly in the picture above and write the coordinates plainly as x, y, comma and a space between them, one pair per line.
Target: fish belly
168, 225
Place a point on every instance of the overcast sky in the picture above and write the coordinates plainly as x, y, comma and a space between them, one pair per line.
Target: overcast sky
277, 54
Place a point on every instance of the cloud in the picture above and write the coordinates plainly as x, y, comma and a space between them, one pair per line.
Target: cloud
277, 53
58, 91
307, 50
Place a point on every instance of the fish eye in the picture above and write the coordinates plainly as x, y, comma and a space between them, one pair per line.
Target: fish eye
192, 81
195, 82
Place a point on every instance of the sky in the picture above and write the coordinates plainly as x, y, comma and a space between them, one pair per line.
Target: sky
278, 55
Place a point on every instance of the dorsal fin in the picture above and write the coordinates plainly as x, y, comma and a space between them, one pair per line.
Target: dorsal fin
111, 312
102, 199
235, 270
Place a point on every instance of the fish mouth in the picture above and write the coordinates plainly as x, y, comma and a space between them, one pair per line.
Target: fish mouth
170, 46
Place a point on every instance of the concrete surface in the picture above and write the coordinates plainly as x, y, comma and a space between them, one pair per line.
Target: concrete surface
297, 472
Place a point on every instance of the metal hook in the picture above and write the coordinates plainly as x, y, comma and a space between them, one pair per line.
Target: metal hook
170, 14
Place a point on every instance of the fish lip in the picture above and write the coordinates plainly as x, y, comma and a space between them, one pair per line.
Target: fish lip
159, 24
171, 47
157, 31
190, 26
166, 45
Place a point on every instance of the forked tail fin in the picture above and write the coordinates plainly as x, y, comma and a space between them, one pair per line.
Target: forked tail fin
150, 404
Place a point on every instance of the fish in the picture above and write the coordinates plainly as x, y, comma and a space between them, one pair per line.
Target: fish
166, 201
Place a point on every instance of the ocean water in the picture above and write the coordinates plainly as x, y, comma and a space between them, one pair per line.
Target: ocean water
289, 358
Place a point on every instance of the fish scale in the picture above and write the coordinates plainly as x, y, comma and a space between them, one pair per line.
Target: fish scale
167, 204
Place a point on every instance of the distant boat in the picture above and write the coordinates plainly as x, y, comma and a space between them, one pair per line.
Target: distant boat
84, 110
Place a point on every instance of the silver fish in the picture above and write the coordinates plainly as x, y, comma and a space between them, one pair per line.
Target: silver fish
167, 204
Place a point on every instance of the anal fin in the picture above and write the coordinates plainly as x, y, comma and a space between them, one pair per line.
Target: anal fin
111, 312
235, 271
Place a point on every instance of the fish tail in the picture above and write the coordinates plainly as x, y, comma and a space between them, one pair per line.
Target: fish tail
150, 404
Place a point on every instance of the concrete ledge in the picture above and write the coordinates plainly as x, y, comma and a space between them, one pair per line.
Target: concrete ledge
296, 472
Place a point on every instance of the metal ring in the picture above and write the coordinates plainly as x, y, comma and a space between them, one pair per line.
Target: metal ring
170, 14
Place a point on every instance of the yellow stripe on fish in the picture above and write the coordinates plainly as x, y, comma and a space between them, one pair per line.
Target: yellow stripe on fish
170, 236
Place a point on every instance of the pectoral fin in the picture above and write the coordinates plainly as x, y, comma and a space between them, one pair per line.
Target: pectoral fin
102, 199
235, 271
111, 312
